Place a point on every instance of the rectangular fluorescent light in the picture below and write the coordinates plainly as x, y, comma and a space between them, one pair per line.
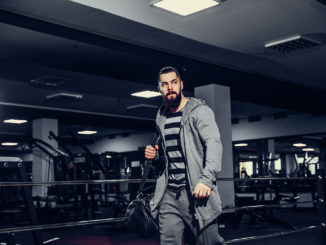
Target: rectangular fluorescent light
15, 121
253, 157
299, 145
185, 7
9, 143
308, 149
240, 144
87, 132
146, 94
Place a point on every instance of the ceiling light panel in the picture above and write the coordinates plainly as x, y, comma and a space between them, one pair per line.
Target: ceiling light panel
87, 132
9, 143
146, 94
185, 7
15, 121
308, 149
299, 145
240, 144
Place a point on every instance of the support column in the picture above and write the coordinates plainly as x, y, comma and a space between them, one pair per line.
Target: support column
42, 163
219, 99
290, 163
271, 155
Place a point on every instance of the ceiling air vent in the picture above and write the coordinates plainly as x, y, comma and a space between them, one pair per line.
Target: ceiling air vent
63, 98
50, 81
292, 44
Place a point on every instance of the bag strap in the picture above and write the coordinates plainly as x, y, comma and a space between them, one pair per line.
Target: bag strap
148, 165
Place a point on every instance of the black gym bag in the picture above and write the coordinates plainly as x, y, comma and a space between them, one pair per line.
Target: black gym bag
139, 218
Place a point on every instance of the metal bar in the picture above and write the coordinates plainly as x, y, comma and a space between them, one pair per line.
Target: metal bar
60, 143
83, 182
243, 239
265, 206
61, 225
75, 182
265, 178
43, 144
108, 220
111, 220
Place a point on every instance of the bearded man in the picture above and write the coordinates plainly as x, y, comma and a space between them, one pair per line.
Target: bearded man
186, 193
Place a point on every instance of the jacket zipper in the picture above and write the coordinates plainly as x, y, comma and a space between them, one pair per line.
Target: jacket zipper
197, 214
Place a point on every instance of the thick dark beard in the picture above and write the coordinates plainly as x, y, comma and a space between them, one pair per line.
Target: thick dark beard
173, 103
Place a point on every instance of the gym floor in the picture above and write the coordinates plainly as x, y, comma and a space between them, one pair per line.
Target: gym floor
117, 235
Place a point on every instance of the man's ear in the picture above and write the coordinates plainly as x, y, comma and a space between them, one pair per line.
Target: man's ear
181, 82
159, 89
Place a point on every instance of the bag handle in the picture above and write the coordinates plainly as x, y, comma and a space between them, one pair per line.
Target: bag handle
148, 164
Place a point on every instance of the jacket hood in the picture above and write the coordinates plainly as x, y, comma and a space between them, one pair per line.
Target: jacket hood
190, 106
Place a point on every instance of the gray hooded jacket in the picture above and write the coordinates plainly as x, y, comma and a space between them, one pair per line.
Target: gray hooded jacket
202, 149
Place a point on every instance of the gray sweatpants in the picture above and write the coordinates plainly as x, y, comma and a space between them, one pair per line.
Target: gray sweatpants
175, 213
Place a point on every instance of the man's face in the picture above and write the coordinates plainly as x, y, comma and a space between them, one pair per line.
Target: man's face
171, 89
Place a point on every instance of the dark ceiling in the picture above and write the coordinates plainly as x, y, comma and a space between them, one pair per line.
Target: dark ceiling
102, 56
64, 40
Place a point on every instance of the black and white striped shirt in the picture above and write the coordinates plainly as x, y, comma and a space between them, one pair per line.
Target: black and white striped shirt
177, 170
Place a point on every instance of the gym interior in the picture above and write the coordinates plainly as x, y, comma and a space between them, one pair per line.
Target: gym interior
79, 97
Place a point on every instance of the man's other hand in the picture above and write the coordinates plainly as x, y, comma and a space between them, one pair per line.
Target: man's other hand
202, 191
150, 152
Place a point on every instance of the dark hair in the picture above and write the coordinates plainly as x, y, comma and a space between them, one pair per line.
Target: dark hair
168, 69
